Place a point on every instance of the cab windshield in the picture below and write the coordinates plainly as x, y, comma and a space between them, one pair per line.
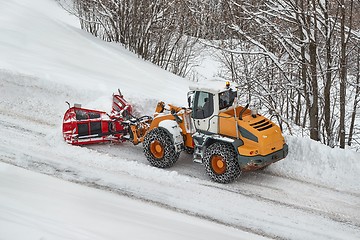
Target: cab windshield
226, 99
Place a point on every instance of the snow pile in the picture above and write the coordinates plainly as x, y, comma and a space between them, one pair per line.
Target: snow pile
314, 162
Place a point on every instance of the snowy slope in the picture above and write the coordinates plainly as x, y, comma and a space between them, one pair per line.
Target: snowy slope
45, 59
41, 39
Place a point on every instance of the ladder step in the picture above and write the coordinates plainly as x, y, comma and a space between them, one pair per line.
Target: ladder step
197, 160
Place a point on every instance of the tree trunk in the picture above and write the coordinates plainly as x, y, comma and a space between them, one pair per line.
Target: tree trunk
327, 106
314, 101
314, 107
342, 76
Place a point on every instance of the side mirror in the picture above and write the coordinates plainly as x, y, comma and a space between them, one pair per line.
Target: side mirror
190, 98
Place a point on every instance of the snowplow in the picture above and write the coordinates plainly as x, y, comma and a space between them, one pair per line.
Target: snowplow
224, 136
83, 126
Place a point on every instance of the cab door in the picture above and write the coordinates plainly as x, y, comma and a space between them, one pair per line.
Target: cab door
203, 112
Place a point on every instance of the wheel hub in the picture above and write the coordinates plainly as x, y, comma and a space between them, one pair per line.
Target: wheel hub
218, 164
156, 149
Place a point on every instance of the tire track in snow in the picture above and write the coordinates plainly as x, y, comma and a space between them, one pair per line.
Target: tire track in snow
310, 183
13, 126
247, 186
323, 213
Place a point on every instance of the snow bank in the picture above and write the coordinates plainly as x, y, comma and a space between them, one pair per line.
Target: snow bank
314, 162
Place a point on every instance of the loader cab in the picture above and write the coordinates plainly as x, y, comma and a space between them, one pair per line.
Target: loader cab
206, 103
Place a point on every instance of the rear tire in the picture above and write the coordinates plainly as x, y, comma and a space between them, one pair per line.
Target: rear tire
159, 148
220, 160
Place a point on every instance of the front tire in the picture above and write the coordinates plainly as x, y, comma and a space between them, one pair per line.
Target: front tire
159, 148
220, 162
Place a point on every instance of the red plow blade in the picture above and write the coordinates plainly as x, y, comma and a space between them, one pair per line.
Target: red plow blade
83, 126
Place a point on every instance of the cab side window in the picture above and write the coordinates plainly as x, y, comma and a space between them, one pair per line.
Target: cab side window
226, 99
203, 105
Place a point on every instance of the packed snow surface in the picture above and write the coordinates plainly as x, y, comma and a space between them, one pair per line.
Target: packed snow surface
42, 207
45, 60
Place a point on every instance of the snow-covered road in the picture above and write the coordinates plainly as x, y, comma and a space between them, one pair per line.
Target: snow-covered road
45, 60
36, 206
